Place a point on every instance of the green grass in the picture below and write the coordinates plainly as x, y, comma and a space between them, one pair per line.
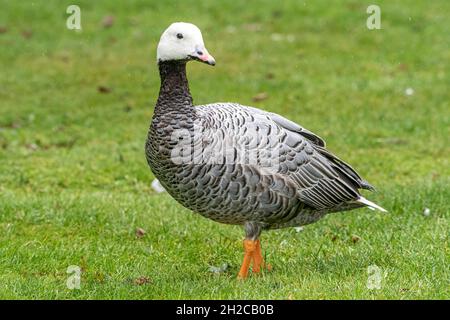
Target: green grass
74, 183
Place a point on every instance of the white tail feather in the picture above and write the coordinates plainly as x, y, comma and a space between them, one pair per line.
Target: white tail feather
370, 204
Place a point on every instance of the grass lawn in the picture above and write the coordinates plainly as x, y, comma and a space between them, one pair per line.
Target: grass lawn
74, 183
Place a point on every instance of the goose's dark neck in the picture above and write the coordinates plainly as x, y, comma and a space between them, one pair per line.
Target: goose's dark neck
174, 92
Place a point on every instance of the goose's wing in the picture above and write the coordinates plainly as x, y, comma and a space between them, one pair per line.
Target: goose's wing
324, 181
319, 145
291, 126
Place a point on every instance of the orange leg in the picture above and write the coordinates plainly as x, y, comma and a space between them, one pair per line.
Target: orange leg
258, 260
252, 253
249, 251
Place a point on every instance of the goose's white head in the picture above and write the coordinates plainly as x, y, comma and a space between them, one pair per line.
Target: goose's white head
183, 41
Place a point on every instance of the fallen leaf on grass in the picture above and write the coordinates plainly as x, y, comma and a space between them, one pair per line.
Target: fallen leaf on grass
3, 29
260, 97
108, 21
103, 89
355, 238
141, 280
140, 232
32, 146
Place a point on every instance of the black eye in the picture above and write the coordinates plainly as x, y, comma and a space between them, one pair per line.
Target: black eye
179, 35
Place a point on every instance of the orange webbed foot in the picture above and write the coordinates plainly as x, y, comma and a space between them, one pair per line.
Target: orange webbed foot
252, 254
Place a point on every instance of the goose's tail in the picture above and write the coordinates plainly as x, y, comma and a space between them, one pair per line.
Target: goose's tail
370, 204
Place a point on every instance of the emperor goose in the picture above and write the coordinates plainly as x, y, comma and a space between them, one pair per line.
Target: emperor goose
236, 164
